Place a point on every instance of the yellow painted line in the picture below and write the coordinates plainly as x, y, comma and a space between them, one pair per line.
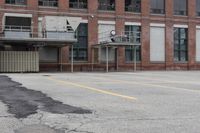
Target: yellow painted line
93, 89
161, 80
147, 84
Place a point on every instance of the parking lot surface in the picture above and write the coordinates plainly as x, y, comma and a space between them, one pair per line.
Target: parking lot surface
121, 102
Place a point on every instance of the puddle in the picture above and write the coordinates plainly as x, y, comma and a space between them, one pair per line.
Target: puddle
23, 102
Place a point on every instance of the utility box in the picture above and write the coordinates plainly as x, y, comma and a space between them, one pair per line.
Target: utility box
19, 61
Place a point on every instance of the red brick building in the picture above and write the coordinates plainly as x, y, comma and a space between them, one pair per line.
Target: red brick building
169, 32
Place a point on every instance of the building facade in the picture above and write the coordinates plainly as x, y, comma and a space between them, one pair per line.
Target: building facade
168, 32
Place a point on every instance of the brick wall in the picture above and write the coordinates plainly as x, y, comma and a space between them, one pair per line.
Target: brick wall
93, 15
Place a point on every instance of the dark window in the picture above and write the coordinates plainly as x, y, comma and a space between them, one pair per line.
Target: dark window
80, 49
80, 4
16, 2
133, 5
157, 6
48, 3
20, 23
180, 44
129, 50
180, 7
198, 7
107, 5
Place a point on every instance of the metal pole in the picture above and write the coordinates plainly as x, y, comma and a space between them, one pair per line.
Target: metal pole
106, 58
61, 59
92, 59
72, 59
117, 58
135, 59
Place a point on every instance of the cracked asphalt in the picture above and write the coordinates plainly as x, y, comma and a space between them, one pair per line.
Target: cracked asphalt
123, 102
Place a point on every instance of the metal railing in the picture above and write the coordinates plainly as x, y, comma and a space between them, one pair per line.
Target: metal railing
124, 37
29, 32
79, 5
16, 2
48, 3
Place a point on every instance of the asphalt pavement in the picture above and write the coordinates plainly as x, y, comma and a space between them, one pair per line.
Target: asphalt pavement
121, 102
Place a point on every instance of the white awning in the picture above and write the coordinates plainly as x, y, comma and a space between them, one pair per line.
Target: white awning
18, 15
74, 22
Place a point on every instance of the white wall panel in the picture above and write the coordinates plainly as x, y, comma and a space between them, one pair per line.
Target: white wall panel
198, 45
157, 44
104, 32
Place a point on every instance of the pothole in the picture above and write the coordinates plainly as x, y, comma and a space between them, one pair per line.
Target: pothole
23, 102
38, 129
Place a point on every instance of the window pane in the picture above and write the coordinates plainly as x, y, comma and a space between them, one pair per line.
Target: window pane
106, 5
133, 5
80, 48
81, 4
180, 44
158, 6
183, 56
49, 3
134, 31
176, 55
198, 7
180, 7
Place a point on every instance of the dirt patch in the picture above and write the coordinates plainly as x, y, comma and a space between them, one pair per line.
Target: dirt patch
23, 102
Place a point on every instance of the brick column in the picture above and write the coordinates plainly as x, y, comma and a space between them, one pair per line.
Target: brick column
63, 5
1, 22
35, 24
191, 33
169, 36
121, 50
92, 27
2, 2
65, 54
32, 4
145, 36
119, 7
92, 6
119, 27
92, 35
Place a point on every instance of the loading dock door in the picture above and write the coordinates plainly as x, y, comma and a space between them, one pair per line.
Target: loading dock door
19, 61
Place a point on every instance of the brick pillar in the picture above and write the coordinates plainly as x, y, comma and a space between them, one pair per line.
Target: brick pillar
191, 33
32, 4
63, 5
145, 5
35, 24
92, 27
92, 35
119, 27
1, 22
120, 5
169, 45
145, 36
2, 2
65, 54
169, 36
92, 6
